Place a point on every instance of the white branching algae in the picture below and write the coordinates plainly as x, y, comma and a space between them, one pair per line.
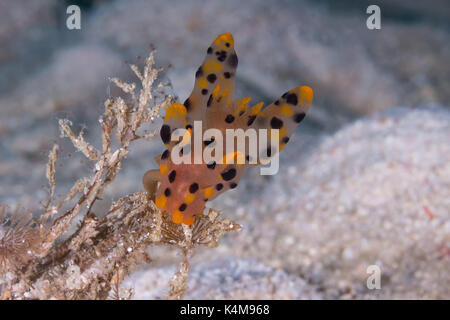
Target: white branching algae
42, 259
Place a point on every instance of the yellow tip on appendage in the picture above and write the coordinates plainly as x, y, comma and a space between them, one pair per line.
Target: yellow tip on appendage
306, 95
224, 37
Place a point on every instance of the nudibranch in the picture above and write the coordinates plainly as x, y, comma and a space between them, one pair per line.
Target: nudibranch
183, 189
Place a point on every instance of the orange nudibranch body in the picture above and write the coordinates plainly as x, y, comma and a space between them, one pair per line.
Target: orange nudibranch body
184, 188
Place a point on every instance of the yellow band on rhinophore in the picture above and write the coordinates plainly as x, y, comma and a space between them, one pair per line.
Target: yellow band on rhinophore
212, 66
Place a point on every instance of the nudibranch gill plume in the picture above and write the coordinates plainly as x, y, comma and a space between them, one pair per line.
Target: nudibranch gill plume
183, 189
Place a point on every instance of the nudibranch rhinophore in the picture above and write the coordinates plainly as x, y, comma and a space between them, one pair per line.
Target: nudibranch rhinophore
182, 189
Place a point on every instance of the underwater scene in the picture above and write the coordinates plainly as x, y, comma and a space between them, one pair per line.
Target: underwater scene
237, 150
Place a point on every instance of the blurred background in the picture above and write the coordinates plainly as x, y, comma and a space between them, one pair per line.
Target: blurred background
364, 181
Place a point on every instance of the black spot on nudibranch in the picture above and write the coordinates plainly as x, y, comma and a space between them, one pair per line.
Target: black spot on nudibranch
227, 44
193, 187
208, 104
208, 142
199, 72
167, 192
172, 176
219, 186
233, 185
251, 119
292, 99
165, 133
299, 117
276, 103
210, 50
211, 165
227, 75
233, 60
276, 123
228, 175
204, 91
229, 118
187, 104
285, 140
211, 77
182, 207
165, 155
222, 55
188, 127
